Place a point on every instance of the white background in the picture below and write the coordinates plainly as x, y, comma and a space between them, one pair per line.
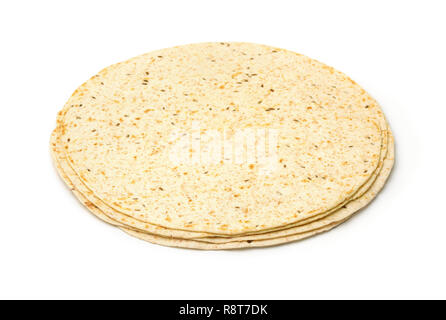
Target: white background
51, 247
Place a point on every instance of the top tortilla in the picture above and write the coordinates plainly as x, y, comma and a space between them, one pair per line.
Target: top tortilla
116, 130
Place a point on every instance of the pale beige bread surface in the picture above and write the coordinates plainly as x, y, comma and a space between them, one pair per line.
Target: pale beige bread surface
339, 215
97, 149
165, 241
193, 244
95, 202
352, 207
182, 234
318, 226
112, 217
240, 244
147, 227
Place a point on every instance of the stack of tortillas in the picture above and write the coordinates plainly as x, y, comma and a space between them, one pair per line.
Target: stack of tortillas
222, 146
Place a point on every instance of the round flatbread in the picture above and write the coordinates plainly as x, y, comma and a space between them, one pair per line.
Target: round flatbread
116, 133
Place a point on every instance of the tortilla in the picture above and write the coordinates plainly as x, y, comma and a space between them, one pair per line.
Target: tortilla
105, 162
